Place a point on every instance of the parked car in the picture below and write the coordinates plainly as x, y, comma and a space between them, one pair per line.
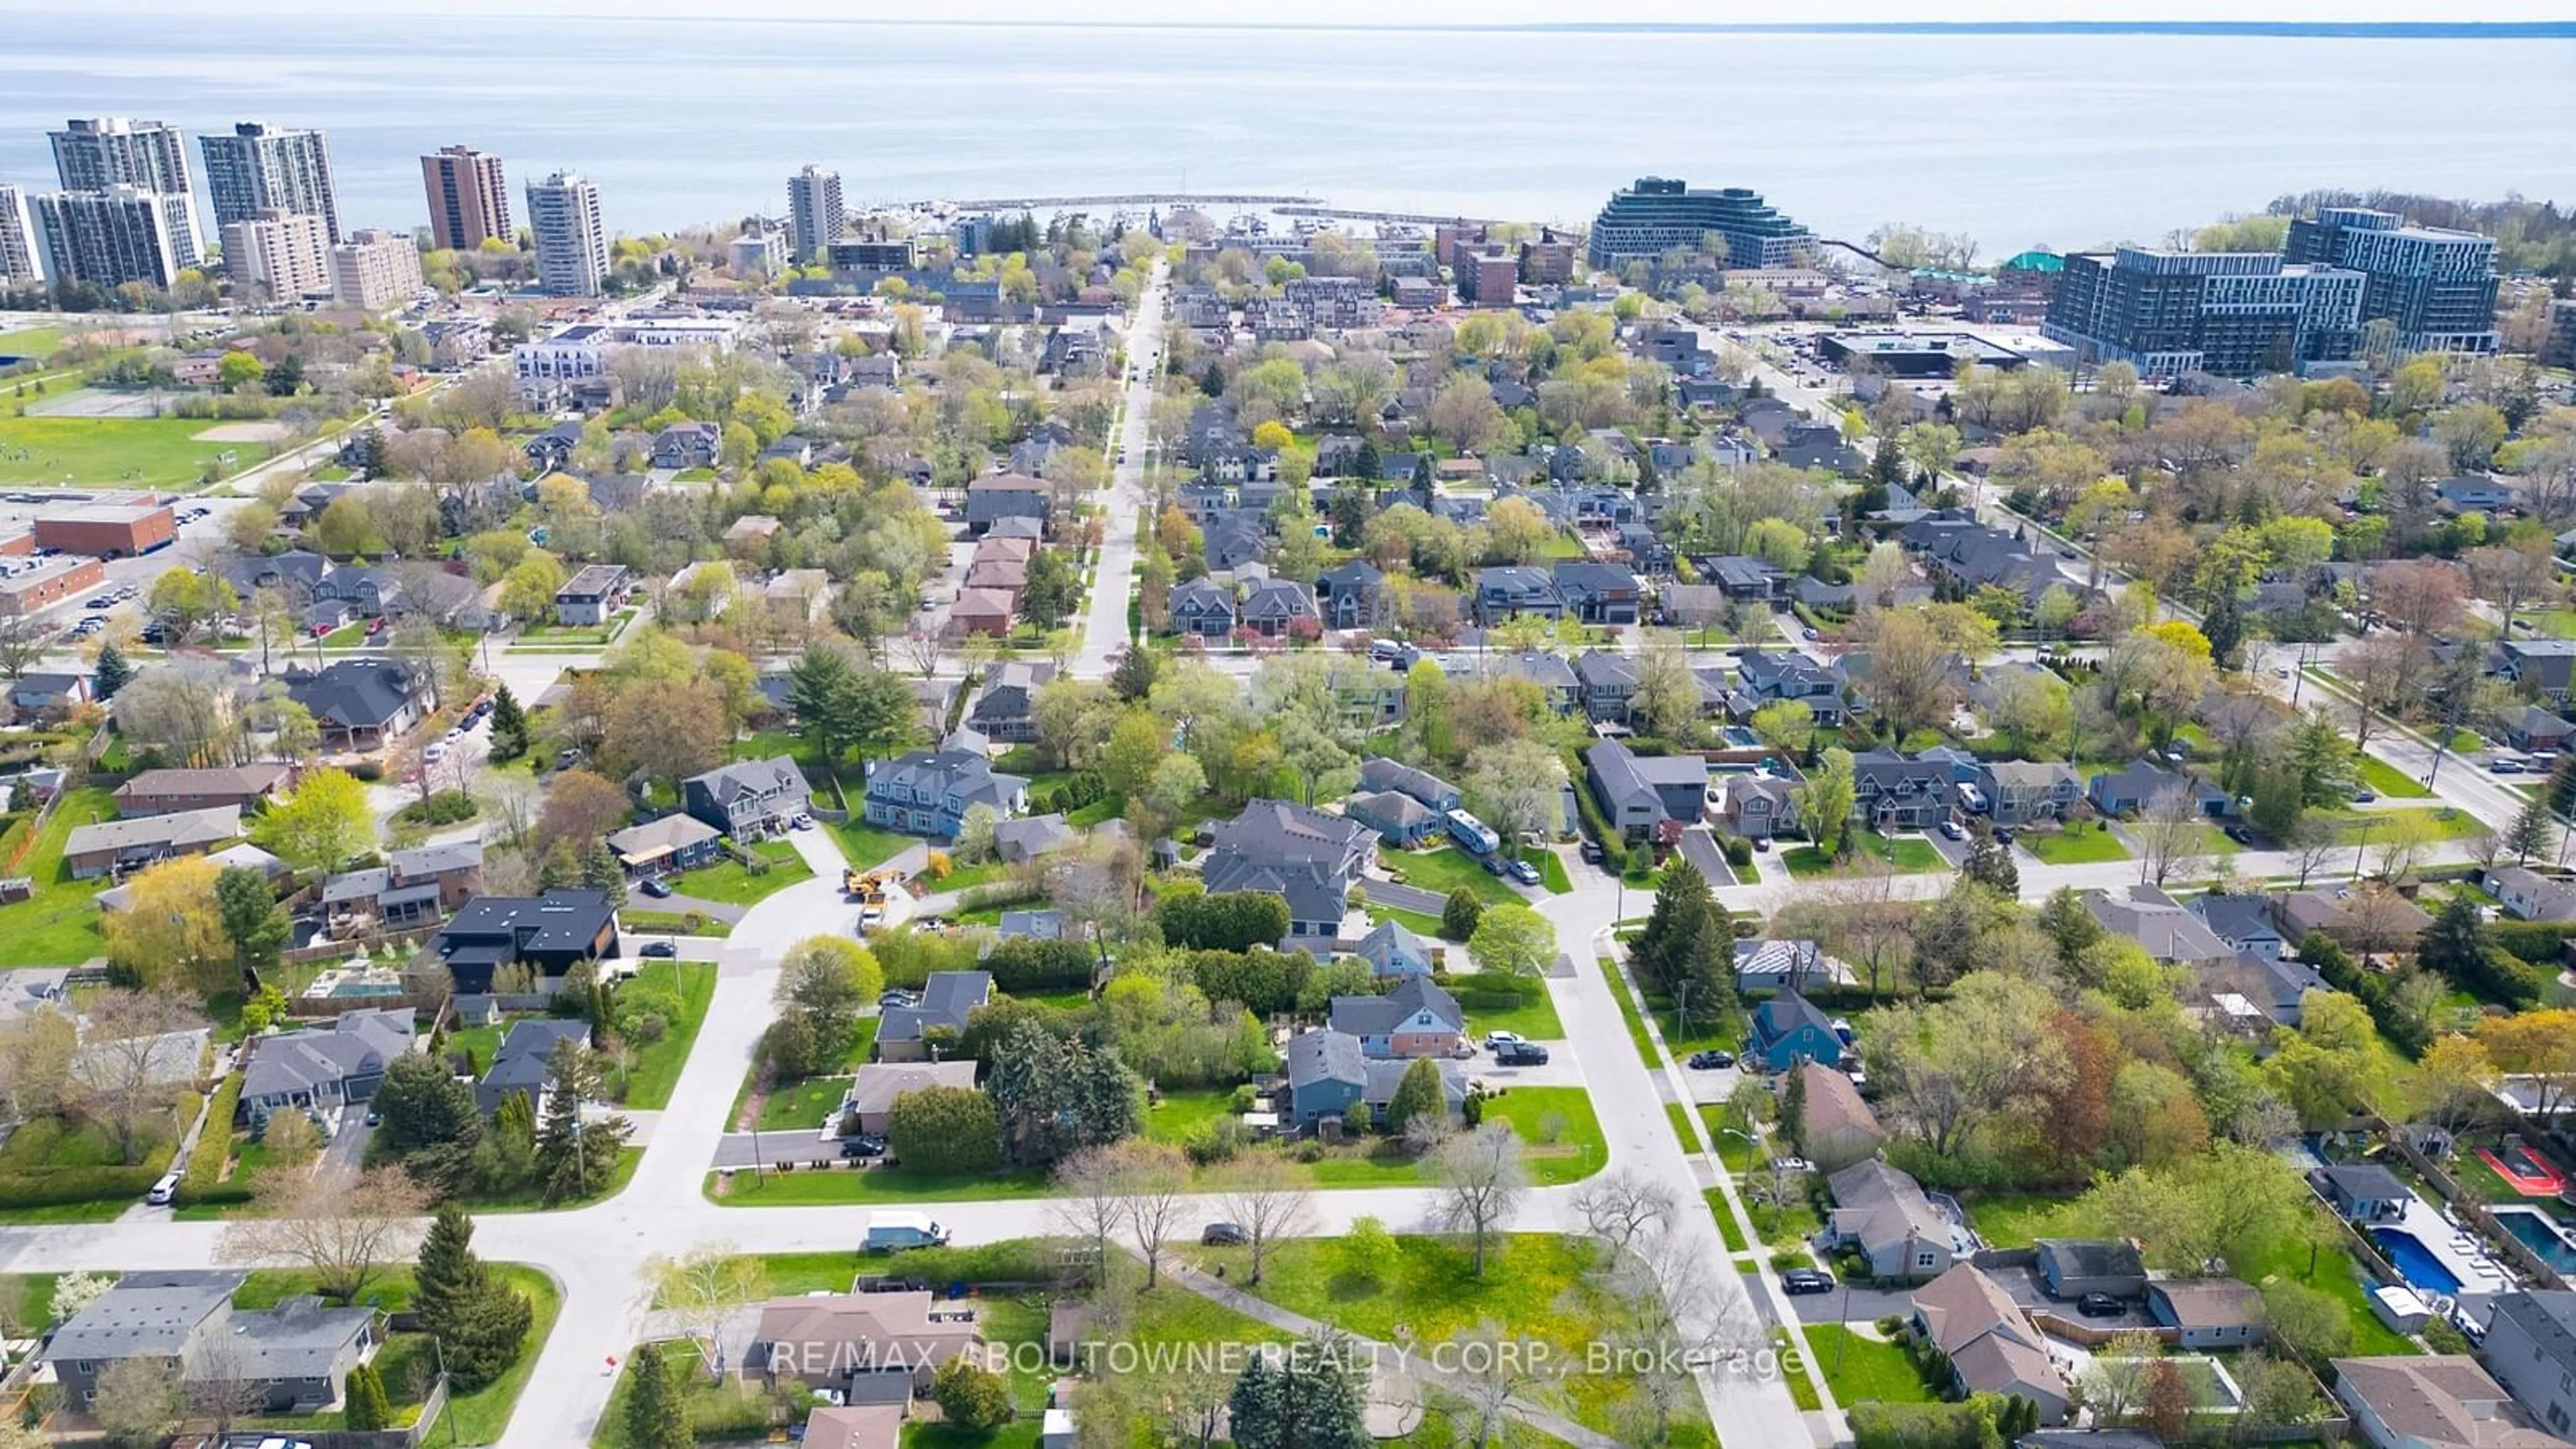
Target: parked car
862, 1146
1954, 830
2505, 767
1792, 1164
1524, 872
1498, 1039
654, 886
2364, 795
2099, 1305
1520, 1054
1592, 852
163, 1191
1807, 1280
663, 949
2242, 835
1710, 1061
1223, 1235
897, 997
1494, 865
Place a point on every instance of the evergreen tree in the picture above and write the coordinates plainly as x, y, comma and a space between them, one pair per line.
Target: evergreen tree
509, 726
516, 1118
657, 1416
1418, 1093
1133, 678
254, 922
575, 1157
1991, 862
2224, 627
113, 672
1314, 1399
481, 1323
1212, 381
1460, 914
1366, 464
1793, 1108
601, 872
1685, 909
1887, 464
366, 1407
2530, 833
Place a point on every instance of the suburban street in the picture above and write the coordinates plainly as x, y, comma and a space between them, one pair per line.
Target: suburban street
1113, 583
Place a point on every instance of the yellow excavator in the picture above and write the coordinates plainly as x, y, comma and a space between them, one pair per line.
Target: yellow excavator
869, 887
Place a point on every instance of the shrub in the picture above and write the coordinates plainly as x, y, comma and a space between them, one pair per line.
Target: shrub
1739, 851
1309, 1150
1228, 921
938, 865
1215, 1142
946, 1130
367, 770
1024, 964
1245, 1096
214, 1145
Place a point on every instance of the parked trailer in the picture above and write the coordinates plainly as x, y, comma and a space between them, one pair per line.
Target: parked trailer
1478, 837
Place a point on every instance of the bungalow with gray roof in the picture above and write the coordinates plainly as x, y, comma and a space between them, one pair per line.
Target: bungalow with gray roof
1882, 1211
948, 998
106, 846
1377, 772
671, 843
1017, 842
1416, 1019
520, 1064
1395, 950
2242, 920
2157, 922
325, 1066
1400, 819
2132, 790
2073, 1267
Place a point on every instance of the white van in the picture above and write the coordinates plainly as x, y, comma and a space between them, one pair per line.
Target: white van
163, 1191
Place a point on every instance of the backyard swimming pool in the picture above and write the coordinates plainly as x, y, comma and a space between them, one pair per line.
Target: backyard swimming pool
2414, 1262
2534, 1230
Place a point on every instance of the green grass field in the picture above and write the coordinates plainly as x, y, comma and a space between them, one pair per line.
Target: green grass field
1910, 855
2074, 847
161, 452
655, 1067
1535, 1019
478, 1417
1445, 870
731, 882
60, 925
1551, 871
35, 342
802, 1106
1414, 921
868, 846
1862, 1370
2390, 781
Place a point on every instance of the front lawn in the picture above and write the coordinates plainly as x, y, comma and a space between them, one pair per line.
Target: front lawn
653, 1068
1551, 870
476, 1418
2391, 781
2081, 846
532, 1198
867, 847
1864, 1370
1182, 1113
802, 1106
59, 926
1907, 854
734, 883
1560, 1135
671, 923
1427, 927
1534, 1019
1448, 869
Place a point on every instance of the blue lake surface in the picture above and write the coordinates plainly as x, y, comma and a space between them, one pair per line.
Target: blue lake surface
2015, 139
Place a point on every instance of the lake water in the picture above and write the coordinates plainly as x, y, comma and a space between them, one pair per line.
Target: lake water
2018, 140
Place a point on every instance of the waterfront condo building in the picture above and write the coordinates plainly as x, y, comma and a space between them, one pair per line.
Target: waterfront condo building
22, 256
1656, 215
814, 211
279, 255
108, 238
572, 242
375, 270
469, 199
2437, 287
261, 168
94, 155
2235, 314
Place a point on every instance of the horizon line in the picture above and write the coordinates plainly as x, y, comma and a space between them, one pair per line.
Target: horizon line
2314, 29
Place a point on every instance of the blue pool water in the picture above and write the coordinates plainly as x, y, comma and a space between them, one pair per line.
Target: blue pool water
2535, 1232
2414, 1262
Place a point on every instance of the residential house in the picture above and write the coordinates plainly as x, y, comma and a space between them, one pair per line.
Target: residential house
1005, 711
929, 792
1231, 545
2073, 1267
2362, 1192
167, 792
2371, 920
1394, 950
293, 1358
2242, 920
2439, 1401
1791, 676
2159, 923
2472, 493
687, 445
1416, 1019
2531, 1350
948, 998
1598, 593
1973, 556
1789, 1029
2272, 984
1308, 858
549, 934
369, 591
1033, 925
1554, 677
1202, 608
879, 1085
857, 1426
2208, 1312
592, 596
2545, 666
1609, 681
362, 704
45, 696
749, 799
1787, 966
1988, 1341
2020, 793
1740, 576
1005, 495
2133, 790
1512, 590
1646, 796
1275, 608
2530, 896
1891, 792
521, 1063
1017, 842
1882, 1211
327, 1066
1758, 805
117, 846
798, 597
830, 1342
1349, 594
1328, 1074
550, 450
671, 843
982, 611
1377, 772
2534, 728
1840, 1129
1400, 819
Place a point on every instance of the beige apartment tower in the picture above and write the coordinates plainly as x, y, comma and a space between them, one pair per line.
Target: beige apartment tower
469, 198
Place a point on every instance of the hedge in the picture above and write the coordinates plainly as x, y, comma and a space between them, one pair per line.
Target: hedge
1025, 964
2538, 942
1012, 1260
1925, 1426
65, 1185
1614, 846
214, 1145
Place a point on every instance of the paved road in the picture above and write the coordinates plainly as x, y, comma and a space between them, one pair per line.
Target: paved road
1104, 620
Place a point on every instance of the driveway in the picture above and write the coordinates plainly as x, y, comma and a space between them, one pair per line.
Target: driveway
1857, 1304
737, 1149
1699, 847
347, 1150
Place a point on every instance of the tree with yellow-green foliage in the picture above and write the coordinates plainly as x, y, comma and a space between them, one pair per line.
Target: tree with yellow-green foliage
171, 933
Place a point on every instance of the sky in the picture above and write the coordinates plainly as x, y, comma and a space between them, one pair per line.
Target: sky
1423, 12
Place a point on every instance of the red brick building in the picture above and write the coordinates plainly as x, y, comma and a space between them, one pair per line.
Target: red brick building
45, 587
109, 530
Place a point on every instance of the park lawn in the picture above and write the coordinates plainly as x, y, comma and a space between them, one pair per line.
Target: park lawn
654, 1068
802, 1106
2075, 847
867, 846
36, 342
1534, 1019
1181, 1113
59, 925
161, 452
1864, 1370
2390, 781
732, 882
1448, 869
